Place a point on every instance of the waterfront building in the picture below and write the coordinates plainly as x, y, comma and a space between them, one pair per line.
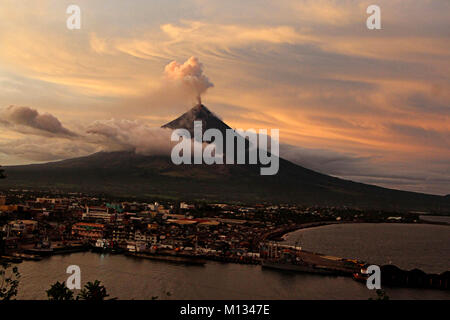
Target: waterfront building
88, 231
22, 227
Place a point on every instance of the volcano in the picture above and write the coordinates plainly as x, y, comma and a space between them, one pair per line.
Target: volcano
198, 113
127, 174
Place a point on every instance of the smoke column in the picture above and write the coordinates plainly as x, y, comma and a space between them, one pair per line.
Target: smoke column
190, 75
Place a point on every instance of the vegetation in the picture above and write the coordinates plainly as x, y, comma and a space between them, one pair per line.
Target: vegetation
92, 291
59, 292
168, 293
9, 281
381, 295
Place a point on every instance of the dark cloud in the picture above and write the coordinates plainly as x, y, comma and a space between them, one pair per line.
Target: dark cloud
336, 122
40, 149
421, 135
430, 175
130, 135
325, 161
23, 119
429, 103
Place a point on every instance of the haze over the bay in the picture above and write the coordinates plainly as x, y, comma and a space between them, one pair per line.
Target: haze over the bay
367, 105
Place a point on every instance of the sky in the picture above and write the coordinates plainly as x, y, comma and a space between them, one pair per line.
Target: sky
367, 105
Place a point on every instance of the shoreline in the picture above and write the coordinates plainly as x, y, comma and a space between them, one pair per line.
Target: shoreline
280, 235
395, 276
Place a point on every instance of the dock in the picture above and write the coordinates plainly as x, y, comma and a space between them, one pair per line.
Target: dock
293, 258
168, 258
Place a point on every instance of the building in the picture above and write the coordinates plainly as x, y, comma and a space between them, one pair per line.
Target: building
145, 237
88, 231
154, 206
46, 200
97, 213
22, 227
119, 234
13, 208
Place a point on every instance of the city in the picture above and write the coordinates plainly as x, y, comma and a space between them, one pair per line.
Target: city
34, 223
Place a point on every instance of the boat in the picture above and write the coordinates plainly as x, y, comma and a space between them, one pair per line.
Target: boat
116, 250
70, 249
28, 257
40, 251
105, 246
298, 267
168, 258
100, 246
42, 248
11, 259
360, 277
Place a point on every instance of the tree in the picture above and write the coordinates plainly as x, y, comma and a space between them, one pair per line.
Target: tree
9, 281
93, 291
59, 291
381, 295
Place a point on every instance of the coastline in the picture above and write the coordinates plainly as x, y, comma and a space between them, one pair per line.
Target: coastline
281, 235
427, 281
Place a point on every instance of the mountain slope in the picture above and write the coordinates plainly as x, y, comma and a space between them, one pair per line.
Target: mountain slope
130, 174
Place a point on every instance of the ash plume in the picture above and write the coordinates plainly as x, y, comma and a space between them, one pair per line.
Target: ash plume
120, 135
189, 75
29, 120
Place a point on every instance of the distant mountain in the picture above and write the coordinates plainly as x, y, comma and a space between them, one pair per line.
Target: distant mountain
129, 174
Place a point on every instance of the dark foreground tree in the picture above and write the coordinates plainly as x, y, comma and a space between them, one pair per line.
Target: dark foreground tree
59, 291
9, 281
381, 295
93, 291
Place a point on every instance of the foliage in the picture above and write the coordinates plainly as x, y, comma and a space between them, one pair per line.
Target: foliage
168, 293
381, 295
9, 281
59, 291
93, 291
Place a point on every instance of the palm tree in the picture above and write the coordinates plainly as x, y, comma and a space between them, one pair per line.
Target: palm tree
93, 291
59, 291
381, 295
9, 281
